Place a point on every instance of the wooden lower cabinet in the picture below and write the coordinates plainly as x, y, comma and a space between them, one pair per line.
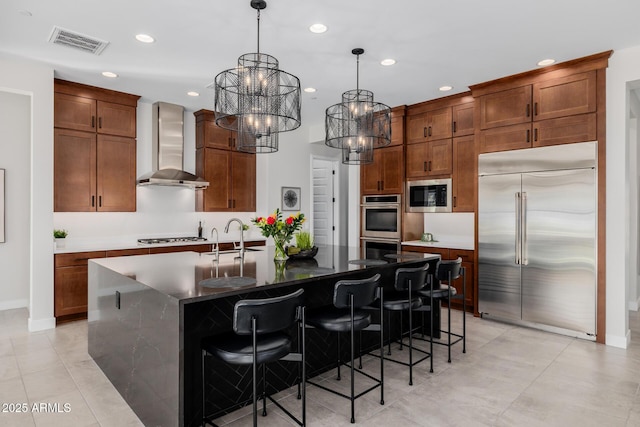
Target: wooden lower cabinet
70, 284
467, 262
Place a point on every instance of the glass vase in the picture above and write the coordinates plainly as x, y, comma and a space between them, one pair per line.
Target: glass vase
280, 254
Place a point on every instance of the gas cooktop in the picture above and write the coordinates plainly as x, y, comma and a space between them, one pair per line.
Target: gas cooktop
170, 240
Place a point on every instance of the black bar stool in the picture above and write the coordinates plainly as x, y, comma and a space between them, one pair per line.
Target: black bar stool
446, 272
346, 315
260, 336
404, 299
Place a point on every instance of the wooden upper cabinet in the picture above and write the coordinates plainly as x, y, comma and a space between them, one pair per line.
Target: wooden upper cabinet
74, 112
210, 135
565, 96
416, 161
462, 116
507, 107
429, 159
416, 128
214, 166
243, 171
439, 124
116, 174
74, 180
397, 128
465, 171
565, 130
386, 174
116, 119
505, 138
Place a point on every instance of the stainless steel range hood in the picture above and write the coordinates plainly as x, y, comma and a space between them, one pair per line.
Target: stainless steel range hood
167, 150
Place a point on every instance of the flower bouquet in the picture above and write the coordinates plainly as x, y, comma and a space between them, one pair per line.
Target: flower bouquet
280, 230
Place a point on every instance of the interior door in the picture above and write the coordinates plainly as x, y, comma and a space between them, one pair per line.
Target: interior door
499, 291
559, 252
323, 220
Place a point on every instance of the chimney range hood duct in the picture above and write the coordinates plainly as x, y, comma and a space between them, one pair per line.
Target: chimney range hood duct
167, 149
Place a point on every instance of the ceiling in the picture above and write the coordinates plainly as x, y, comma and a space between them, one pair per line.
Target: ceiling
435, 42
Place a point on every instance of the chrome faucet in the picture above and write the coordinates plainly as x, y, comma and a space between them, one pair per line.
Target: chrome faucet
216, 247
226, 230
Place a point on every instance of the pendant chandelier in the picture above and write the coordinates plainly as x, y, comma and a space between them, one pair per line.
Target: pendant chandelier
257, 99
357, 125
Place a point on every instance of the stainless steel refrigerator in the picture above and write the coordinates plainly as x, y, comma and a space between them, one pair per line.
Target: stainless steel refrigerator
537, 231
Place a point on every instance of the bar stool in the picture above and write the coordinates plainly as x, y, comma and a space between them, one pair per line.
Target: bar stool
260, 336
446, 272
407, 282
347, 315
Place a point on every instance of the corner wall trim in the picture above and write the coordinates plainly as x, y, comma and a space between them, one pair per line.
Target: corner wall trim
618, 341
41, 324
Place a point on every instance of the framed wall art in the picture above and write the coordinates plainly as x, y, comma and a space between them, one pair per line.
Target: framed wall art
290, 198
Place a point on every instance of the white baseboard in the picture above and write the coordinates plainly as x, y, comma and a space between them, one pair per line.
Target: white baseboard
634, 305
618, 341
16, 303
41, 324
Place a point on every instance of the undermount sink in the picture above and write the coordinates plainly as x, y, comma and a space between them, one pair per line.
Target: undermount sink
227, 282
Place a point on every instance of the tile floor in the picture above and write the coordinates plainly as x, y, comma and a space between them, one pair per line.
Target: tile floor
510, 376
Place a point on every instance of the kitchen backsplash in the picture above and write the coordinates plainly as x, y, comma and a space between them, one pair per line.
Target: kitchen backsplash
450, 226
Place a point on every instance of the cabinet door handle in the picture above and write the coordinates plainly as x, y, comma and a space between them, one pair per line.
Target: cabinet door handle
93, 122
429, 165
535, 134
454, 201
93, 201
454, 127
381, 185
425, 167
100, 122
535, 109
230, 144
429, 131
234, 204
528, 110
528, 135
229, 203
99, 201
424, 132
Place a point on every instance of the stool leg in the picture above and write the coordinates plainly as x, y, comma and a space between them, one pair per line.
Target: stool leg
464, 311
449, 284
389, 332
299, 367
339, 363
204, 415
254, 369
304, 370
410, 341
431, 310
353, 419
264, 389
401, 330
381, 350
360, 349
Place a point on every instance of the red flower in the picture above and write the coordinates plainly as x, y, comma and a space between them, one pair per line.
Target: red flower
271, 220
259, 219
290, 220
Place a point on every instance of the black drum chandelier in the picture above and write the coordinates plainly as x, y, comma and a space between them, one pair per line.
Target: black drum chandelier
257, 99
357, 125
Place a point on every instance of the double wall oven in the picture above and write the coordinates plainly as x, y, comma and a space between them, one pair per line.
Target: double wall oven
381, 221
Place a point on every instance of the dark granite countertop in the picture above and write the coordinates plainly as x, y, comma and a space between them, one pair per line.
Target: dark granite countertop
192, 277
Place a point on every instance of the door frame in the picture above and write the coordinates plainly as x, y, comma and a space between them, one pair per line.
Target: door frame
337, 223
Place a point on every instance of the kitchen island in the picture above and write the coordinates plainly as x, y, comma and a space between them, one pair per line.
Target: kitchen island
149, 313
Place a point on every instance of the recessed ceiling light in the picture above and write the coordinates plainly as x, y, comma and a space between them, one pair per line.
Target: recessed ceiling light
546, 62
445, 88
309, 89
109, 74
193, 93
388, 61
145, 38
318, 28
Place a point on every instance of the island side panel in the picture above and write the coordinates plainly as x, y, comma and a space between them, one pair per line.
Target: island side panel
137, 344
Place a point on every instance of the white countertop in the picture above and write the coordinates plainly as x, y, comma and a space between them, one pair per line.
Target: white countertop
72, 246
444, 243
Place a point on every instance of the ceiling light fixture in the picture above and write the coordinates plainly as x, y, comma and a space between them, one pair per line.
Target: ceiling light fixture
257, 99
318, 28
445, 88
193, 93
145, 38
357, 125
387, 62
310, 89
546, 62
109, 74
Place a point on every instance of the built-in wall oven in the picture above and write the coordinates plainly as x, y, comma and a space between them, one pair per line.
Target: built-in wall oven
381, 221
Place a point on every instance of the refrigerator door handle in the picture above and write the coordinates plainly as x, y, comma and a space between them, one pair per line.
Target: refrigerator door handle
523, 227
518, 248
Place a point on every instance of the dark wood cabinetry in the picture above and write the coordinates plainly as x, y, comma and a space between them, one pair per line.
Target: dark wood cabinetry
232, 173
70, 284
94, 149
428, 159
386, 174
465, 174
468, 262
548, 111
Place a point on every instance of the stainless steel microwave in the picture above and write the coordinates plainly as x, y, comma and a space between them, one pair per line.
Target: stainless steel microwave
432, 195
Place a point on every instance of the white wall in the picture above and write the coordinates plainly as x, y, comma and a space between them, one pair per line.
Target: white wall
633, 135
36, 80
15, 155
624, 69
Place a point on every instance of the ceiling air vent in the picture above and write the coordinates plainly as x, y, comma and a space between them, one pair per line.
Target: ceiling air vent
78, 41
